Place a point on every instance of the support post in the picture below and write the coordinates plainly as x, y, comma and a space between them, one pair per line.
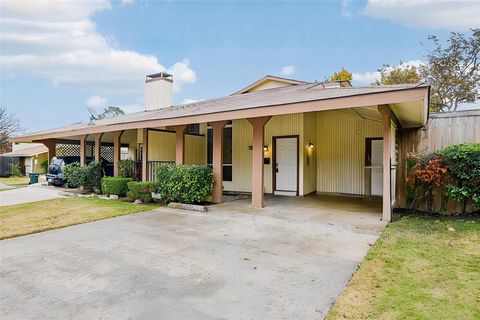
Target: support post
83, 143
145, 154
180, 144
117, 135
51, 149
98, 146
258, 126
217, 160
387, 132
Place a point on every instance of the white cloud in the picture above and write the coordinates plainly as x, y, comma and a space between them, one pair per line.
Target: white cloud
366, 78
288, 70
96, 102
185, 101
57, 40
436, 14
369, 77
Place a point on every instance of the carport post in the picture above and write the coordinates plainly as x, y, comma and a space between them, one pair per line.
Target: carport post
117, 135
387, 134
50, 144
98, 146
258, 126
83, 140
217, 160
144, 154
180, 144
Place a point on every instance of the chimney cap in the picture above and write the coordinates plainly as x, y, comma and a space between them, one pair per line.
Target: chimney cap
163, 75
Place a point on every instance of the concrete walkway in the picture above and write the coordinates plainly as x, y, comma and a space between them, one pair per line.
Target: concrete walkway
290, 260
28, 194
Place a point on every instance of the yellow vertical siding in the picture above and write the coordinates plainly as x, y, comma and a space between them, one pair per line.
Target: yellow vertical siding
242, 157
161, 146
195, 149
309, 154
341, 151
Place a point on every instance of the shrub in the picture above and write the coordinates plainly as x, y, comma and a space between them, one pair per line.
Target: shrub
44, 166
73, 175
115, 185
15, 170
184, 183
93, 174
88, 177
141, 191
463, 163
127, 169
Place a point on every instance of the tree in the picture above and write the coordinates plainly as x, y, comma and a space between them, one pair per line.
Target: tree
453, 71
398, 75
110, 112
9, 125
341, 75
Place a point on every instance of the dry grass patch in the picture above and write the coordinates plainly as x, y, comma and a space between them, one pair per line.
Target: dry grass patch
417, 270
18, 220
15, 181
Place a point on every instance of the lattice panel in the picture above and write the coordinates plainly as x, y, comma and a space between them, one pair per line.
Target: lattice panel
72, 150
107, 153
67, 150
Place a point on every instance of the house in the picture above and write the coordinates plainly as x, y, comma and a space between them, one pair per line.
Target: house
276, 135
28, 157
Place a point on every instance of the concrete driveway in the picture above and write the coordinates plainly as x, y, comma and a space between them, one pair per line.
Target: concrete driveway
288, 261
28, 194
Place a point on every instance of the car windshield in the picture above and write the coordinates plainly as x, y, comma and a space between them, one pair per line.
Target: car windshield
54, 169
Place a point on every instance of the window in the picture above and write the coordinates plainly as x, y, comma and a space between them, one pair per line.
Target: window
193, 128
124, 153
227, 151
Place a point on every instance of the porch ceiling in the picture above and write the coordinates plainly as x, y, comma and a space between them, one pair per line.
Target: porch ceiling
405, 101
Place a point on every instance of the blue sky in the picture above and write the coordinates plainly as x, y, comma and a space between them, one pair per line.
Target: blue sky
56, 58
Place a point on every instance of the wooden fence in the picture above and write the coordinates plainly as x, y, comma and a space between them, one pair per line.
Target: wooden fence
442, 130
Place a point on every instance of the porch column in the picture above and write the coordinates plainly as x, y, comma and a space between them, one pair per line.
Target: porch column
51, 149
145, 154
83, 140
98, 146
258, 125
180, 144
387, 132
217, 160
117, 135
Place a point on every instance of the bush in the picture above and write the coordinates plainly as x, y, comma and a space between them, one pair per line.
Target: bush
44, 166
140, 191
115, 185
88, 177
93, 174
463, 165
15, 170
73, 175
184, 183
127, 169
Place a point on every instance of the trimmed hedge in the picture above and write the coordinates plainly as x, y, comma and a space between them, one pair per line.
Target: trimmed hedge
141, 191
115, 185
184, 183
89, 177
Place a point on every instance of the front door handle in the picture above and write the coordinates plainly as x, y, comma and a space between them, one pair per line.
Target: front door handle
276, 167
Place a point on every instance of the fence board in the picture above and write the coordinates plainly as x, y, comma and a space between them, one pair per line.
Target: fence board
442, 130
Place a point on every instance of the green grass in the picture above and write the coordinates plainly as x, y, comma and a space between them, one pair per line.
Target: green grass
417, 270
22, 219
15, 181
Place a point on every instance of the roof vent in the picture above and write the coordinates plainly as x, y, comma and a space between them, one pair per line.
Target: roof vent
158, 91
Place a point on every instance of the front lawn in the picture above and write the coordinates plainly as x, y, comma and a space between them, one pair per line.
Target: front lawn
15, 181
418, 269
22, 219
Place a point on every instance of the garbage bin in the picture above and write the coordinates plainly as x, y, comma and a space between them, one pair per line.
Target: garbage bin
34, 177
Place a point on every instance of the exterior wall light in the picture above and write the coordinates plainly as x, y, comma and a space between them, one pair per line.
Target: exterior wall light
265, 148
310, 145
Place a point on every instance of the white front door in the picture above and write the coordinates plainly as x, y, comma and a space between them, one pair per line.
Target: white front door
377, 167
286, 166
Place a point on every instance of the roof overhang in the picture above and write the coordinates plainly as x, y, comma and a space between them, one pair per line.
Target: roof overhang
409, 105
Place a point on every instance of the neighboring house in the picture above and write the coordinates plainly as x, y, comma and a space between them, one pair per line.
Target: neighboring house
277, 135
28, 156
